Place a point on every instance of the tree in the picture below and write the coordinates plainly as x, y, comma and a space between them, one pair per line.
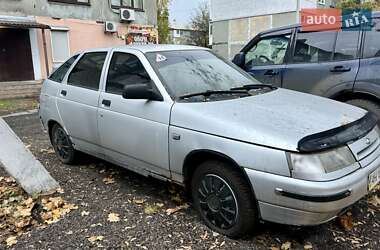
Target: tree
200, 22
358, 4
163, 20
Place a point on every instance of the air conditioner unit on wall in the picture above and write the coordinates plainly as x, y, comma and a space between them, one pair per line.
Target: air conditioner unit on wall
127, 15
110, 27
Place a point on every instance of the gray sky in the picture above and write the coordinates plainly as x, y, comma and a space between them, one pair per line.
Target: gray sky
182, 10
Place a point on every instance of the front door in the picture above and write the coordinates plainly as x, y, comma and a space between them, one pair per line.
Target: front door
15, 55
133, 133
265, 60
323, 63
78, 101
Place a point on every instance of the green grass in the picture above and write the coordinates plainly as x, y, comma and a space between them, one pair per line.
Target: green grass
17, 105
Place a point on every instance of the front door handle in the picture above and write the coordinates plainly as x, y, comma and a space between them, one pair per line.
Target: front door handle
106, 103
340, 68
271, 72
63, 92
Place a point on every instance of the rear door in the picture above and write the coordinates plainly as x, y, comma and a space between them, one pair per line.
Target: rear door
368, 79
323, 63
265, 59
77, 100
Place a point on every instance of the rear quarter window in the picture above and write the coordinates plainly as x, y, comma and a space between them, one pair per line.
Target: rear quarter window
60, 73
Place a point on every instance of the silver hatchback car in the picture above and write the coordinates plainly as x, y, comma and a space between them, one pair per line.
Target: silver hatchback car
246, 151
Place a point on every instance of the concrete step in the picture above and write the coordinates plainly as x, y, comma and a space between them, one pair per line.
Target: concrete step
22, 89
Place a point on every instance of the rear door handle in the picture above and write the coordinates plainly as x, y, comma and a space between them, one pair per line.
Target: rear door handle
271, 72
340, 68
63, 92
106, 103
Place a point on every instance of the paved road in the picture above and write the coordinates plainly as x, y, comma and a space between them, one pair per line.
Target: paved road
84, 187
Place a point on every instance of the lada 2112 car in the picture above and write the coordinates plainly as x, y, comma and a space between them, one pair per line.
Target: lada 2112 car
246, 151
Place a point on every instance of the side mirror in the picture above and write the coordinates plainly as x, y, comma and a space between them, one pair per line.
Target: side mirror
141, 91
239, 60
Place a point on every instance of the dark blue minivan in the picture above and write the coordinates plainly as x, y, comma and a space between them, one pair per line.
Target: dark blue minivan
342, 65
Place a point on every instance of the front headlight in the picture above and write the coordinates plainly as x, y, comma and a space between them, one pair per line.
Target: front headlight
312, 167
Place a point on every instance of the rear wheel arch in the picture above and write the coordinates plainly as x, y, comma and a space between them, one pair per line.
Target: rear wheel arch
346, 96
51, 124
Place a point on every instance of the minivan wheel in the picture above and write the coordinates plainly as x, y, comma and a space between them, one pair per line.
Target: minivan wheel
367, 105
223, 199
62, 145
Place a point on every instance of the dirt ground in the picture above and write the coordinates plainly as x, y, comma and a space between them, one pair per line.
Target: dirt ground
138, 207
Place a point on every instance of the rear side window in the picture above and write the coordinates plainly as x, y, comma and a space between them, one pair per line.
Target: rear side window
314, 47
346, 45
60, 73
372, 44
87, 72
125, 69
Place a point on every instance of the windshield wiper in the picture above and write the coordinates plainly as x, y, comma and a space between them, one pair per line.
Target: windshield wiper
214, 92
254, 86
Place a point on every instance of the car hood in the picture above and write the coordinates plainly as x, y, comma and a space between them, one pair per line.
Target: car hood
278, 119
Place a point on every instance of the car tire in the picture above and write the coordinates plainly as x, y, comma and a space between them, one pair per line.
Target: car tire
62, 145
224, 199
368, 105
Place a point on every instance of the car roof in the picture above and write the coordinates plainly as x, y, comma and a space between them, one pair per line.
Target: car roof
145, 48
375, 14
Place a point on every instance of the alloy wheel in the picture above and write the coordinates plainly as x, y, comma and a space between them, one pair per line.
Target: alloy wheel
217, 202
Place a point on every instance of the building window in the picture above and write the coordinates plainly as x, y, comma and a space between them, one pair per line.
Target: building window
130, 4
79, 2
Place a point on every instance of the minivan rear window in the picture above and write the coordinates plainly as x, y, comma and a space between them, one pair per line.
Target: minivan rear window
372, 44
314, 47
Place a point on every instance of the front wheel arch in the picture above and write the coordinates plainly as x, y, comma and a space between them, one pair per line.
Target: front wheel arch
194, 159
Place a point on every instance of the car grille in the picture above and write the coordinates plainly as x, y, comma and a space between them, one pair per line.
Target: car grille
367, 149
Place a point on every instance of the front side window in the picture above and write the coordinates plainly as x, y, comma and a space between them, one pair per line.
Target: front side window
60, 73
346, 47
88, 70
193, 71
125, 69
314, 47
268, 51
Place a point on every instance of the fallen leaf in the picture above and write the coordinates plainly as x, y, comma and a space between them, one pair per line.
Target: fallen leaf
374, 200
10, 241
138, 202
113, 217
274, 248
108, 180
308, 246
286, 246
346, 222
149, 209
84, 213
171, 211
93, 239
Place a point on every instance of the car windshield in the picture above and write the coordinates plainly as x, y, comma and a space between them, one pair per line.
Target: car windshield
185, 72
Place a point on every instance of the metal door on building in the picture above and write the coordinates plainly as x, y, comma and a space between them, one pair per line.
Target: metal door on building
15, 55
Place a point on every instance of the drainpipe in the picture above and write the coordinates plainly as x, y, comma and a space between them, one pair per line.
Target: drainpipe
45, 53
298, 11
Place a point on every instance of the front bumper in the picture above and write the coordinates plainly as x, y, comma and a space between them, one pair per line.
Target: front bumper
331, 197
